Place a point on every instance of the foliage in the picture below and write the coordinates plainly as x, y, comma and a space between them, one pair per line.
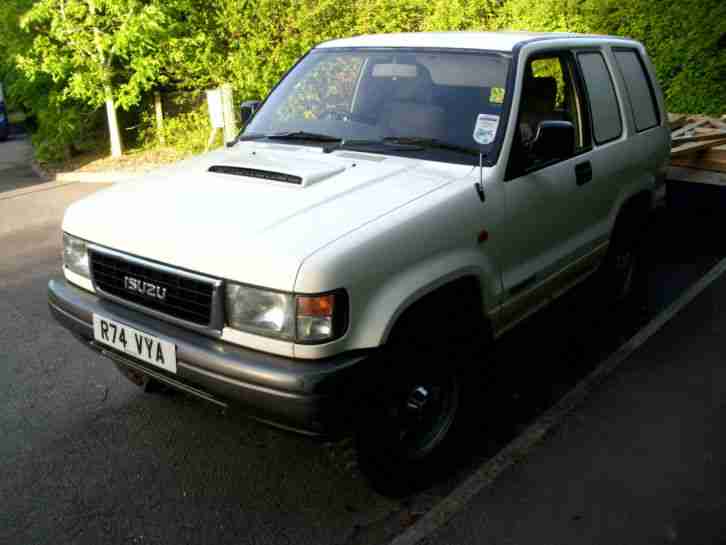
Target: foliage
20, 91
65, 128
67, 55
187, 131
91, 47
461, 15
685, 39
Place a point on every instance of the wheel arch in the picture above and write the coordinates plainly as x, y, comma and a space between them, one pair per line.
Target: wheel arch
639, 202
466, 293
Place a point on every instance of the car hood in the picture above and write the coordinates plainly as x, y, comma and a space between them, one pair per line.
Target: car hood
255, 220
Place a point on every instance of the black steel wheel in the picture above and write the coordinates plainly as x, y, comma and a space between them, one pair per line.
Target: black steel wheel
406, 428
620, 266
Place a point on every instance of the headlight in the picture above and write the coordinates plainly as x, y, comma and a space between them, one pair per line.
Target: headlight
302, 318
263, 312
75, 255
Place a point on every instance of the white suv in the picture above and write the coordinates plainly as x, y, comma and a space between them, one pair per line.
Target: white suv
392, 199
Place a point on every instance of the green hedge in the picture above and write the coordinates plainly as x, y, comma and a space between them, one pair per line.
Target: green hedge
251, 43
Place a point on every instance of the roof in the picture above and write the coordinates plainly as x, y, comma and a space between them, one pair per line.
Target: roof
494, 41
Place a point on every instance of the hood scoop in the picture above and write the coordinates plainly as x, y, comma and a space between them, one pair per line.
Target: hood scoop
287, 168
256, 173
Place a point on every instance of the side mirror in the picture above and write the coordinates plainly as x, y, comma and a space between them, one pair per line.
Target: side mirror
248, 109
554, 140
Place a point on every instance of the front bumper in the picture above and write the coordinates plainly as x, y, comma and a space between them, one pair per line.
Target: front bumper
314, 397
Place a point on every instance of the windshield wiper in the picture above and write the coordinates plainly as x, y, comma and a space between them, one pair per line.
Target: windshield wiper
303, 135
403, 143
246, 138
292, 135
362, 143
430, 143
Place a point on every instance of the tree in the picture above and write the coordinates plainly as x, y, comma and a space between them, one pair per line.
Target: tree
100, 52
13, 41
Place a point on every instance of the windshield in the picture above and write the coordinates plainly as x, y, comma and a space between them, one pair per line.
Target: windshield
438, 105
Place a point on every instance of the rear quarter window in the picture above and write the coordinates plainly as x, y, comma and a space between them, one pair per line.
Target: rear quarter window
606, 121
639, 88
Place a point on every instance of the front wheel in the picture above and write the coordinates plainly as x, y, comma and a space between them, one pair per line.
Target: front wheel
405, 432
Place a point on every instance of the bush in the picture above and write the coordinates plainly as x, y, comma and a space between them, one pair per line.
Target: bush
65, 129
186, 132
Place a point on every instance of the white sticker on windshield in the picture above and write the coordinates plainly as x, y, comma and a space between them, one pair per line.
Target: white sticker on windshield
486, 128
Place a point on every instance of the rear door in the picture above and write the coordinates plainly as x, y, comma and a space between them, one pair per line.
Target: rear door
649, 133
612, 158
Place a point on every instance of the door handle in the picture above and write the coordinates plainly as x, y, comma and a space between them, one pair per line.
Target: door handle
583, 173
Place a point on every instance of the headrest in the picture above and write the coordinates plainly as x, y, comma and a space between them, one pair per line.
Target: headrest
540, 93
414, 89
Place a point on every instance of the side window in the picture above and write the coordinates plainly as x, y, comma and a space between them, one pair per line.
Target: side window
550, 92
606, 121
640, 90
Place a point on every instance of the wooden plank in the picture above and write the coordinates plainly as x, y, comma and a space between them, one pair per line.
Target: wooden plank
694, 175
687, 149
691, 126
700, 164
717, 154
702, 137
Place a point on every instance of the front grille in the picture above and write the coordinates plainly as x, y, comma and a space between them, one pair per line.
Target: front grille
187, 298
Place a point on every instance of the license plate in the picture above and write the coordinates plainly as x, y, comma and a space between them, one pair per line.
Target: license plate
136, 343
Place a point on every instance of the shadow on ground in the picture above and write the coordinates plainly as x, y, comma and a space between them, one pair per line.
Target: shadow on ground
16, 154
537, 363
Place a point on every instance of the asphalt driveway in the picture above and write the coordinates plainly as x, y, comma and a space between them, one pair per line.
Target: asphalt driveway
85, 457
15, 156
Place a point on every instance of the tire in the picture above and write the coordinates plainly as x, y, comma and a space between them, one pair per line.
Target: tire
143, 381
406, 431
620, 266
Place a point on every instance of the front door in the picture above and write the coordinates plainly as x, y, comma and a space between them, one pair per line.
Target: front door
546, 227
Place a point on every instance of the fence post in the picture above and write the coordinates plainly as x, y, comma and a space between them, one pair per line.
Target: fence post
230, 120
159, 118
216, 114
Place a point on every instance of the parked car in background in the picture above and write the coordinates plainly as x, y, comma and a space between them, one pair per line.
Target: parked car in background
394, 199
4, 121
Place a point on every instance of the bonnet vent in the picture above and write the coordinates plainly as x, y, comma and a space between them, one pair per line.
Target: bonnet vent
256, 173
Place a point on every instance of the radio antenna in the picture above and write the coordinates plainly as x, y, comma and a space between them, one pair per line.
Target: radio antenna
479, 186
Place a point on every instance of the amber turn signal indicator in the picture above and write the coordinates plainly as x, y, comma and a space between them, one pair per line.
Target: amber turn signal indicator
316, 305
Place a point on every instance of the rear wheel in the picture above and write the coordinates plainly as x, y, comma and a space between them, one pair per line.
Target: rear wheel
619, 269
